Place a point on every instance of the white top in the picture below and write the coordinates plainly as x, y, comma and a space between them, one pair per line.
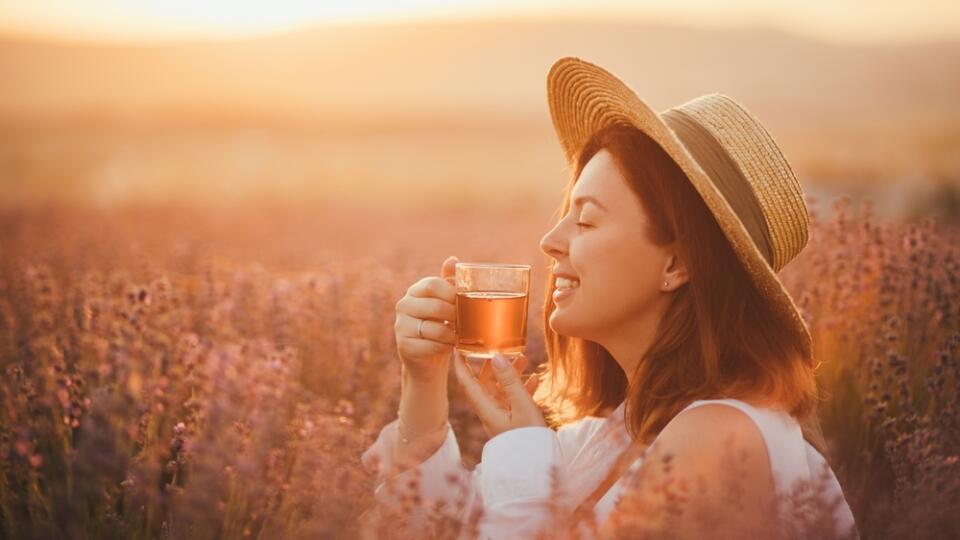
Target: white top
513, 479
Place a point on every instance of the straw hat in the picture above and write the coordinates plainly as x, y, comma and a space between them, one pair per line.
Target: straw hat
725, 152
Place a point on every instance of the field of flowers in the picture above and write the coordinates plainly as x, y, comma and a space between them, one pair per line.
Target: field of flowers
163, 377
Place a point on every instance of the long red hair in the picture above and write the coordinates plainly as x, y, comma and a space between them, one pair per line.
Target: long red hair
718, 337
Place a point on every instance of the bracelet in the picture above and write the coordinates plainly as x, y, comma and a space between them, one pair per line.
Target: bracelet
406, 440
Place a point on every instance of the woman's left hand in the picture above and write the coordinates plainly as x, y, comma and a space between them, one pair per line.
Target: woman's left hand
512, 407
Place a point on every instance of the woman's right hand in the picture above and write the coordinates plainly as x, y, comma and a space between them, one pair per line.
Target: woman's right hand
432, 300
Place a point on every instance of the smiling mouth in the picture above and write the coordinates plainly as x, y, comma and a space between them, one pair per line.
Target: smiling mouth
563, 293
566, 283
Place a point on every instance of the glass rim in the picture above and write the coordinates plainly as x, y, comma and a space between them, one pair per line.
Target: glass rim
493, 265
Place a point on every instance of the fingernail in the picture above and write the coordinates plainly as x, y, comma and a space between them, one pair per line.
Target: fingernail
499, 361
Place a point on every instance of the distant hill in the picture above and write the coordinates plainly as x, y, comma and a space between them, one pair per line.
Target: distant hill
452, 69
444, 111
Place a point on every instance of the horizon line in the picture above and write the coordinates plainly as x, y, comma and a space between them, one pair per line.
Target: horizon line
81, 38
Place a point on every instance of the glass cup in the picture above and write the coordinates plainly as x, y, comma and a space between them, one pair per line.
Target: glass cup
491, 311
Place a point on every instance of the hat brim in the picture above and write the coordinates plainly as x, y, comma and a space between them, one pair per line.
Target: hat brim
584, 98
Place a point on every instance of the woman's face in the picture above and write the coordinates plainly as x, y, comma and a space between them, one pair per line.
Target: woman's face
602, 242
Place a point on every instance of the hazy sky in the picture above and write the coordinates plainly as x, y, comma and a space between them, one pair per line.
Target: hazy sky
837, 20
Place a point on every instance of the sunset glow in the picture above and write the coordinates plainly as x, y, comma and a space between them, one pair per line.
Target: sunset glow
176, 19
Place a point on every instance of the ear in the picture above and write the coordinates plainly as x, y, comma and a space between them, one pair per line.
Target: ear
674, 274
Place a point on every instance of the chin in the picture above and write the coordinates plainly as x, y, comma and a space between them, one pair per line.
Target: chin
561, 323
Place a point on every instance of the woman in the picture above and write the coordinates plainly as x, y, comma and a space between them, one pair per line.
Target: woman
677, 360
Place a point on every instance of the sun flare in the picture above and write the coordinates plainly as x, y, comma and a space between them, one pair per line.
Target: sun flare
157, 19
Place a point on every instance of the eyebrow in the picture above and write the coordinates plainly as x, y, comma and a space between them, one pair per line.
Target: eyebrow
587, 198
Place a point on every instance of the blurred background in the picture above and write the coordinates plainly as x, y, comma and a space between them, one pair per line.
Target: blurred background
440, 105
208, 211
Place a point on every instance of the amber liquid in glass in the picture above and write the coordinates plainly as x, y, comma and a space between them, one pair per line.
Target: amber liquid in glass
489, 322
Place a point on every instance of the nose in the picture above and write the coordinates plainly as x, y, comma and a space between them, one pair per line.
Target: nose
553, 243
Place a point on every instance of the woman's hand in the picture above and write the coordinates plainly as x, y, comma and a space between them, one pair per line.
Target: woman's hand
503, 401
430, 305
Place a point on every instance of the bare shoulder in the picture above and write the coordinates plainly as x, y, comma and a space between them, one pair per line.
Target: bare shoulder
712, 424
716, 437
713, 462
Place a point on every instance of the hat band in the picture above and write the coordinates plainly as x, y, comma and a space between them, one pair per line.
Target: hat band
726, 176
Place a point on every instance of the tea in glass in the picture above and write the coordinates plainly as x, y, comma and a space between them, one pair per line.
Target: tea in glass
492, 304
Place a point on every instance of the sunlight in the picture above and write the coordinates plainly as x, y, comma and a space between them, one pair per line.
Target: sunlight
151, 19
231, 16
158, 19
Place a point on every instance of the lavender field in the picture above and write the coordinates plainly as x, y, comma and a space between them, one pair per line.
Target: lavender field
168, 373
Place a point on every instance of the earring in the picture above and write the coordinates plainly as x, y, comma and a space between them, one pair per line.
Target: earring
665, 284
